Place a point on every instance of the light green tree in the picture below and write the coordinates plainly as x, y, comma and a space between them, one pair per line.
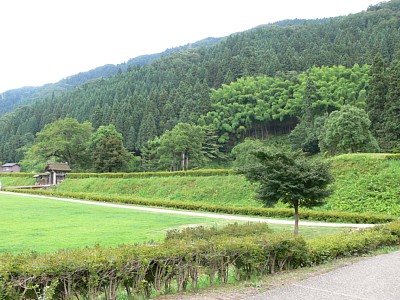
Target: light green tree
242, 154
347, 131
186, 146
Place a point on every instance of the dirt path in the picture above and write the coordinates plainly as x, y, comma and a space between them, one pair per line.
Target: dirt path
196, 214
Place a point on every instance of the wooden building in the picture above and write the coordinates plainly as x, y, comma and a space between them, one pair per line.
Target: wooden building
10, 167
54, 174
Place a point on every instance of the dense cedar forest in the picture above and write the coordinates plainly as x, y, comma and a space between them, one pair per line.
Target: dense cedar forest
257, 83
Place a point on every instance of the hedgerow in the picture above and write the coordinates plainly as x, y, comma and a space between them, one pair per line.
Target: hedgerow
175, 264
204, 233
16, 174
196, 173
327, 216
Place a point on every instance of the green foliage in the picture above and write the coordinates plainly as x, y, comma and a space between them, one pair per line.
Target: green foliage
290, 178
392, 110
376, 99
243, 153
195, 173
65, 140
191, 234
395, 156
262, 106
347, 131
365, 183
146, 269
183, 144
16, 179
144, 101
328, 248
108, 153
141, 269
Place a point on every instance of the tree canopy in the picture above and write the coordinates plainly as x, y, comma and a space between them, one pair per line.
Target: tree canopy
108, 153
65, 140
291, 178
347, 131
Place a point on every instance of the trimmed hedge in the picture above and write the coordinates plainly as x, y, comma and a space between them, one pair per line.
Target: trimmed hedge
143, 269
16, 174
326, 216
196, 173
204, 233
394, 156
146, 269
343, 245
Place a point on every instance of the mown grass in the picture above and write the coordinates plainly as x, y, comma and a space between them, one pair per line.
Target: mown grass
42, 225
231, 190
16, 181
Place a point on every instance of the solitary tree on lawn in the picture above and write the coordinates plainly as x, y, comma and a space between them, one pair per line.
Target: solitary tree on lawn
291, 178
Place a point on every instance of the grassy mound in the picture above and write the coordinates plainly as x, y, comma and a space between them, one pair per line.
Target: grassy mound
366, 183
232, 190
363, 183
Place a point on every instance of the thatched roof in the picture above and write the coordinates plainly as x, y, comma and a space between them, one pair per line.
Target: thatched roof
63, 167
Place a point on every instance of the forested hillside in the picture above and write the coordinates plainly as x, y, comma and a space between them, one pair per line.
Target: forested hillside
145, 101
11, 99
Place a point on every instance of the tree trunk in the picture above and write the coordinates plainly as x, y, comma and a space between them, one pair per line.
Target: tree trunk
183, 161
296, 217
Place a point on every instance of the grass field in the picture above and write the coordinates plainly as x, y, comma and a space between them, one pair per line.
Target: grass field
363, 183
35, 224
228, 190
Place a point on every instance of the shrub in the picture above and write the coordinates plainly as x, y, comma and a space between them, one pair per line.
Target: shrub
205, 233
141, 269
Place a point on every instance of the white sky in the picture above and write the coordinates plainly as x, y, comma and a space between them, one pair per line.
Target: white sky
43, 41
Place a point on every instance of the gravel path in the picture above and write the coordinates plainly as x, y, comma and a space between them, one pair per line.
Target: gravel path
196, 214
376, 278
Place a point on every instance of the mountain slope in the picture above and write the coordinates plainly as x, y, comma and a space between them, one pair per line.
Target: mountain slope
11, 99
146, 100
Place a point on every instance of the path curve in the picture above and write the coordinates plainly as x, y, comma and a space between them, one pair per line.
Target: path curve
195, 214
375, 278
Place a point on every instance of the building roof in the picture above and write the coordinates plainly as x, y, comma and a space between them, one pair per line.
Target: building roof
10, 165
64, 167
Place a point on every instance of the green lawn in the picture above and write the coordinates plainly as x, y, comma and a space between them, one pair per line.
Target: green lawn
231, 190
35, 224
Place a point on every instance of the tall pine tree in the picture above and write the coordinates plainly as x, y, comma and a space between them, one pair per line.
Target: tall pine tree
392, 110
375, 103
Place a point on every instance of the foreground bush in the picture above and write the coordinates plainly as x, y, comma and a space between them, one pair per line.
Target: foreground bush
176, 264
143, 269
327, 216
204, 233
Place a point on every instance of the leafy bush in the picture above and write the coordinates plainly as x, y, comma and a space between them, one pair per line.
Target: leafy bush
359, 242
155, 268
141, 269
205, 233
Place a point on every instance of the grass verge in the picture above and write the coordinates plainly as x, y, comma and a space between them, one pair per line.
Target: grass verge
35, 224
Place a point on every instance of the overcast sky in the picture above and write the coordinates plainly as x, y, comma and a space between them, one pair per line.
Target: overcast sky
43, 41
